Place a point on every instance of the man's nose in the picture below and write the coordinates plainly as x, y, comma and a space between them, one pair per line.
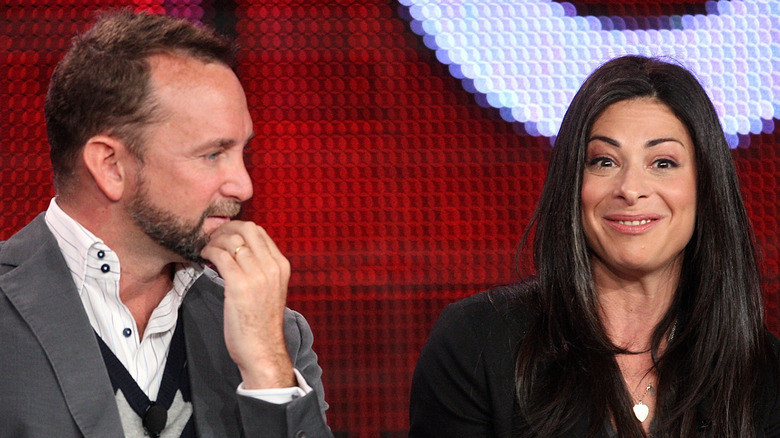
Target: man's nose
238, 184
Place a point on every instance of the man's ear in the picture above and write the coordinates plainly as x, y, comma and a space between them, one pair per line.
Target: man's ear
107, 161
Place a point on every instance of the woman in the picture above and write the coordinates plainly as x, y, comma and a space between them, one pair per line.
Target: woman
645, 315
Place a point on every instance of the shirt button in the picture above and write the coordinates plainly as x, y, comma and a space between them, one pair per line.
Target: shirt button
301, 434
127, 332
105, 268
101, 254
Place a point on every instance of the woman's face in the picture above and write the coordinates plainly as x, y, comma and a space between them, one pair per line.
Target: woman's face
638, 189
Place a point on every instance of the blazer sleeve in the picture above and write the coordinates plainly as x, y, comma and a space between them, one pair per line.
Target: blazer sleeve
304, 416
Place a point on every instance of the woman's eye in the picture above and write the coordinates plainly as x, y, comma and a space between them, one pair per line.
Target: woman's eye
601, 162
665, 163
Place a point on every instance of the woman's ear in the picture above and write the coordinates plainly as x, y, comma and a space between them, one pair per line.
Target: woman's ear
106, 160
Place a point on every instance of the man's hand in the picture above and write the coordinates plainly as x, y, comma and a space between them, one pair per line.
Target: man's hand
256, 275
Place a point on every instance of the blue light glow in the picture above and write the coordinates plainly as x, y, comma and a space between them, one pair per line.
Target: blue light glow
528, 58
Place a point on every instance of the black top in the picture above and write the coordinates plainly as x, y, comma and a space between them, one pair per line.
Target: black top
463, 385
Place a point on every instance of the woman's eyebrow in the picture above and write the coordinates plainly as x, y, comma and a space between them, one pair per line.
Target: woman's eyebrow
657, 141
648, 144
611, 141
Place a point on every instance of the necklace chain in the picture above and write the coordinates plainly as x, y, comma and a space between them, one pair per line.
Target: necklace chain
649, 389
641, 410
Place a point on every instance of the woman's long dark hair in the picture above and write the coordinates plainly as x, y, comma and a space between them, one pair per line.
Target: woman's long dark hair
566, 369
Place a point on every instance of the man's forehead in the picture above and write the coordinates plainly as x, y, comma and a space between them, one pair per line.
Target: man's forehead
175, 67
199, 99
176, 76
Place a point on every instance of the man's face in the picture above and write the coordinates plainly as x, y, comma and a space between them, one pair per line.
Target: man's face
182, 237
193, 178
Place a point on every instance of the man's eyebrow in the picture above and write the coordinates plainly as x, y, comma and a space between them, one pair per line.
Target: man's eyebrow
218, 143
223, 143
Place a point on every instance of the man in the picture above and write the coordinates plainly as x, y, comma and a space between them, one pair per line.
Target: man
110, 321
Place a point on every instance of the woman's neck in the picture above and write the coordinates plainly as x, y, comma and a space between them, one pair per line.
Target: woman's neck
632, 306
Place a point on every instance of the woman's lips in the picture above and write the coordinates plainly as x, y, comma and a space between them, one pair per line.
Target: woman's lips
632, 224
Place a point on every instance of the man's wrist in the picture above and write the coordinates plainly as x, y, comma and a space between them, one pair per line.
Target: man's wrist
278, 395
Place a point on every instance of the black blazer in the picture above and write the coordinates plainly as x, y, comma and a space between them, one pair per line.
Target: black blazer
463, 385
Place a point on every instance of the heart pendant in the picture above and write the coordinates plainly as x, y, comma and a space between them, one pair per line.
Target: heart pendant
641, 411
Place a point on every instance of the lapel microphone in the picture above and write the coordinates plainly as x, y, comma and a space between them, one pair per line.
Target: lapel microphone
154, 419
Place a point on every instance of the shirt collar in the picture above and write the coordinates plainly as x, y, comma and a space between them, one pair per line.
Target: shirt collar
79, 246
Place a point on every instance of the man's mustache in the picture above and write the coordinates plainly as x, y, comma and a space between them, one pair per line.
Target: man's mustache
224, 209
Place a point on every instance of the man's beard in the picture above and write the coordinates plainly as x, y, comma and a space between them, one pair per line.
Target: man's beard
174, 233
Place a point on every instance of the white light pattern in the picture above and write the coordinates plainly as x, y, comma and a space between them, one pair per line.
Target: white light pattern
528, 58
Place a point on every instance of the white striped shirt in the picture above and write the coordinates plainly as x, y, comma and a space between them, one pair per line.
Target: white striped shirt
95, 269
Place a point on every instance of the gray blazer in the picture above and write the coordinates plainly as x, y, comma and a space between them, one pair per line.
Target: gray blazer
53, 381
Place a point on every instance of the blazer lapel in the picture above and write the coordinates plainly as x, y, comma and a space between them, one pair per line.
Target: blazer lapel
40, 287
214, 377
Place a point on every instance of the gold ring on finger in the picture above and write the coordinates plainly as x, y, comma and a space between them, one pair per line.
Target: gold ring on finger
238, 248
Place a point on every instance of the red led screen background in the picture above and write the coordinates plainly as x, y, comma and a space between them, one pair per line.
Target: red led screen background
389, 189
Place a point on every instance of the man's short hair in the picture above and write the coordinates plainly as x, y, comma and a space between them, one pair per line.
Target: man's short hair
102, 85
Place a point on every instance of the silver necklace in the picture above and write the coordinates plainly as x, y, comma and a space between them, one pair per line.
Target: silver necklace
641, 410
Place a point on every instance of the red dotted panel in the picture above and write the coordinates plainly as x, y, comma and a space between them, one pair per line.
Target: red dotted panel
391, 192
